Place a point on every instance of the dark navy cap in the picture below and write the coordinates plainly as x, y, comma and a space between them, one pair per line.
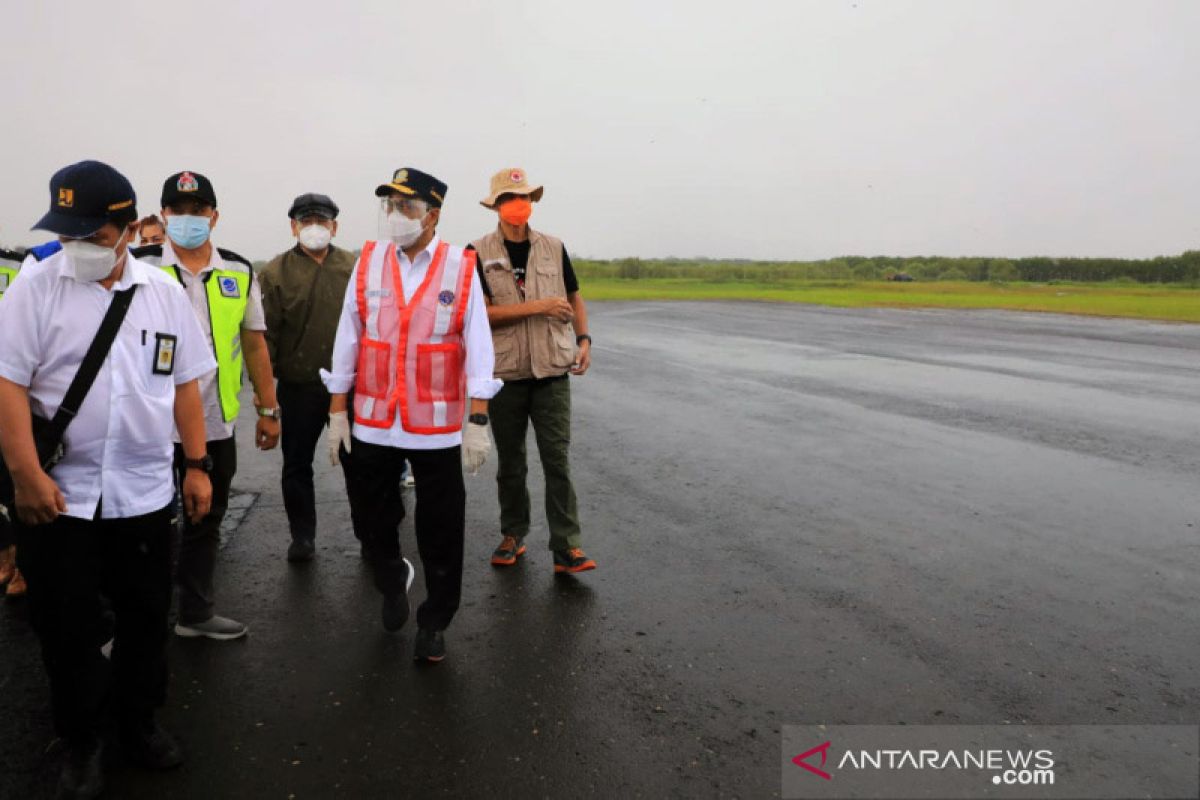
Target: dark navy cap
414, 183
82, 198
188, 185
312, 203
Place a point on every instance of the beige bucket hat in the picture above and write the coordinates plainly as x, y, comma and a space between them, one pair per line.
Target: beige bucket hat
510, 180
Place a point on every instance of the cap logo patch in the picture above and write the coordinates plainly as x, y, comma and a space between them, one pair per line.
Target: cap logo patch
66, 198
446, 297
516, 176
229, 287
401, 176
187, 183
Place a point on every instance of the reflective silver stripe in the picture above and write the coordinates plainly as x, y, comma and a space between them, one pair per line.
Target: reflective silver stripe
374, 284
369, 407
439, 413
450, 271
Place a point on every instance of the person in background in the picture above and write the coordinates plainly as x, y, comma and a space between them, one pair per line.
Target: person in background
302, 291
151, 231
226, 300
10, 576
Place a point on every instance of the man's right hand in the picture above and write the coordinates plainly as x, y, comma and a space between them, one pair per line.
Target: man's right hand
338, 435
558, 308
197, 494
38, 499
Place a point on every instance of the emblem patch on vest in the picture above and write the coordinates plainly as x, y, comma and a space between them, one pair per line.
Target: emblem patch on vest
164, 353
229, 287
446, 297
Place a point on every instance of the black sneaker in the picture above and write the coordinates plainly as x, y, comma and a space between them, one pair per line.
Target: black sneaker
82, 776
509, 550
301, 550
395, 606
149, 745
429, 646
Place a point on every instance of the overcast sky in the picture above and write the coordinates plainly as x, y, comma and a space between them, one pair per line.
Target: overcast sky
774, 130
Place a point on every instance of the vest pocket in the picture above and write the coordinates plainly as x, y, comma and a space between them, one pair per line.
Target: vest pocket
504, 344
374, 362
439, 372
562, 354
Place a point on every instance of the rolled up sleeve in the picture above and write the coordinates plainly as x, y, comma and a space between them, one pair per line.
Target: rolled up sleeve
19, 330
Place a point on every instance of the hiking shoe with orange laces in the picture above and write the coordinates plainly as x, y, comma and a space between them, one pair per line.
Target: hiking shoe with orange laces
511, 548
573, 560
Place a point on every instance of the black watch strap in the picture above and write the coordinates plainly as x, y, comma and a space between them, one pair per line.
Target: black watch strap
478, 419
581, 337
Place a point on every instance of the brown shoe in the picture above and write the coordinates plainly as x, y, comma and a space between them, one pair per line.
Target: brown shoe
8, 564
16, 586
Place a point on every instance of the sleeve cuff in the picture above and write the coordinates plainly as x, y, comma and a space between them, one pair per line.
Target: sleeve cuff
339, 383
483, 388
195, 372
21, 377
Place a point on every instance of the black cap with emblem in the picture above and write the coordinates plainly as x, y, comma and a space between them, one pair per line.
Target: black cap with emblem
414, 183
83, 197
188, 185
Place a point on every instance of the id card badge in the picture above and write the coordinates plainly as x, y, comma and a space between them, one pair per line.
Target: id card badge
164, 353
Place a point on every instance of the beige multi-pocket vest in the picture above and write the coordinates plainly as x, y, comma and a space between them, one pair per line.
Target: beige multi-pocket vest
538, 346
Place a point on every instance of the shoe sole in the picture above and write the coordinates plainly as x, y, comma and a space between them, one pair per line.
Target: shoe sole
498, 561
559, 569
429, 659
192, 633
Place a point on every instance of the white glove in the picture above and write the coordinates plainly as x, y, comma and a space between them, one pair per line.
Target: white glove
475, 447
338, 435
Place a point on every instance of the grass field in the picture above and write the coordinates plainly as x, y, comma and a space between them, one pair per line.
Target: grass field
1176, 304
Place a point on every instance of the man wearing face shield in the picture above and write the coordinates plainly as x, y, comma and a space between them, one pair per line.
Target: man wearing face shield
227, 301
302, 292
100, 522
414, 347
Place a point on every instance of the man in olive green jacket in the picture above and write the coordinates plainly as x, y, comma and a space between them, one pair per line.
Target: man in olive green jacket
302, 290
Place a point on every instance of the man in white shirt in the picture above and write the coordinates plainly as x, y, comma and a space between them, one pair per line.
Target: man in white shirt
227, 302
414, 347
101, 522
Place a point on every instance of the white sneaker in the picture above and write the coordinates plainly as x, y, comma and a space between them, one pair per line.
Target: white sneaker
218, 628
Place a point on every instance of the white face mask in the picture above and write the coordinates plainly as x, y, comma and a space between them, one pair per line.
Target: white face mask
314, 237
92, 262
401, 229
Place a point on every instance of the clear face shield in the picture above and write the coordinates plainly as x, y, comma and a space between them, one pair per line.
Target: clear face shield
401, 219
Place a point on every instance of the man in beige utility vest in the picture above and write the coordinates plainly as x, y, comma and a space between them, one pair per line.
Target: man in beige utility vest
540, 336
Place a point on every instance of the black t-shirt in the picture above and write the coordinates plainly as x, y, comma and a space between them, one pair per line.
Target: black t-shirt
518, 256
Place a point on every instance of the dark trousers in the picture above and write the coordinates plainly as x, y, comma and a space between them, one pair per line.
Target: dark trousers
7, 537
68, 564
200, 541
440, 522
304, 414
547, 404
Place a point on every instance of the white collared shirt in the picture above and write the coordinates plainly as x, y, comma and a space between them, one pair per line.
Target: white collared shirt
215, 426
120, 445
477, 338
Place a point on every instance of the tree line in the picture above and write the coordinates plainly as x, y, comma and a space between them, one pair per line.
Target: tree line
1180, 269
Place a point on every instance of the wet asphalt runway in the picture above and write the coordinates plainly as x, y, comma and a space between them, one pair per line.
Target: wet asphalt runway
801, 515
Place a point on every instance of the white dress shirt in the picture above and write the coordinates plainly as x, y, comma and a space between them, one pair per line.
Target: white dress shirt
215, 426
477, 338
120, 445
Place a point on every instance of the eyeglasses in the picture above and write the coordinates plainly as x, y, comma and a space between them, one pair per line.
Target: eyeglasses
404, 205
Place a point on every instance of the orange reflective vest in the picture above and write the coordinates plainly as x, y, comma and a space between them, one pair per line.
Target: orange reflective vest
411, 354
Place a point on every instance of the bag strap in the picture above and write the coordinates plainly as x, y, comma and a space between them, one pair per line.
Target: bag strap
89, 368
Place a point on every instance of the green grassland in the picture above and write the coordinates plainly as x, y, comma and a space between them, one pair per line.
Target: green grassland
1144, 301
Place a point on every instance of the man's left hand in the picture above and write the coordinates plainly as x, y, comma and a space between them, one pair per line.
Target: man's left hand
266, 433
585, 358
476, 445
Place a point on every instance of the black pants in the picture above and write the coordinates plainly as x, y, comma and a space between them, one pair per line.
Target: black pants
68, 564
375, 497
201, 540
7, 538
305, 413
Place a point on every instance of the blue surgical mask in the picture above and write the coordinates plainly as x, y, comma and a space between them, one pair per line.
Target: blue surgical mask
187, 231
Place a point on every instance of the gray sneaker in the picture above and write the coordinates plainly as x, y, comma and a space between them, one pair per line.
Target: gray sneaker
216, 627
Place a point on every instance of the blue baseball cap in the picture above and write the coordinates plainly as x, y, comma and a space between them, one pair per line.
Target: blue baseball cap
82, 198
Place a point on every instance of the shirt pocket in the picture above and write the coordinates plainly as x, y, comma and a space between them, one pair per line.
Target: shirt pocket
134, 357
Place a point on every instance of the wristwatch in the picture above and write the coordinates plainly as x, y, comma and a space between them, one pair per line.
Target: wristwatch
478, 419
269, 413
579, 339
204, 464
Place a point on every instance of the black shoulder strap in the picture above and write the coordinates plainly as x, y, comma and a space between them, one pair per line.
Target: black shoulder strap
90, 367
